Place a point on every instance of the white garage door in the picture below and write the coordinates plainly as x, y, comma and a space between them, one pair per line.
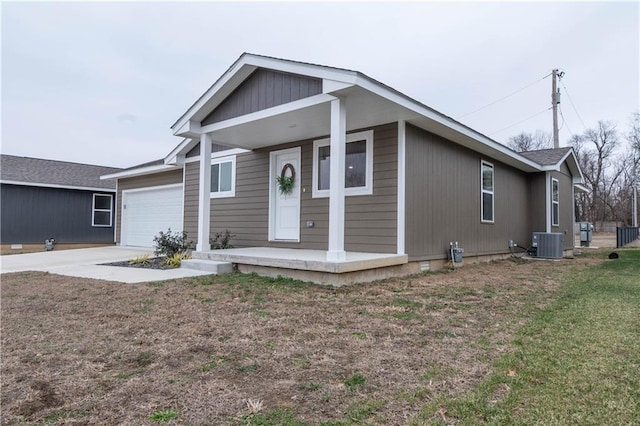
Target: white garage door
147, 212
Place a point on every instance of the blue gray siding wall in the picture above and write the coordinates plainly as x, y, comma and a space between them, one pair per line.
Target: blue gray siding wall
264, 89
443, 200
32, 214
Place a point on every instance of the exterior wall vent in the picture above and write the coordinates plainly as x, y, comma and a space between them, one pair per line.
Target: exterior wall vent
548, 244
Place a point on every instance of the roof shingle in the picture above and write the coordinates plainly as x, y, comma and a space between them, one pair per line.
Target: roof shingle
546, 157
56, 173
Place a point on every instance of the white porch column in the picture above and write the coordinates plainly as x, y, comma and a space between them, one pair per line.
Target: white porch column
400, 239
336, 181
204, 194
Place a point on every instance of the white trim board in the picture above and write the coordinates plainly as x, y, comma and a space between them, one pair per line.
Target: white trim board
56, 186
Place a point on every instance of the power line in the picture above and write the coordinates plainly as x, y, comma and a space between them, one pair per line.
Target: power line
572, 104
520, 122
564, 121
504, 97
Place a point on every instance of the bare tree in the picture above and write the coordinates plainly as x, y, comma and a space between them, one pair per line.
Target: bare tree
530, 141
595, 150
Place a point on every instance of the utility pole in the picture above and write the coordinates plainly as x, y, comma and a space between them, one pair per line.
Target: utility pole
555, 100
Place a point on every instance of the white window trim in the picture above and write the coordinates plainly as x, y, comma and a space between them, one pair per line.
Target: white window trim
367, 136
220, 160
554, 202
94, 210
484, 191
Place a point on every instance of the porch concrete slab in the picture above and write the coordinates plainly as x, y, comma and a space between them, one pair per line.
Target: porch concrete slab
306, 260
86, 263
211, 266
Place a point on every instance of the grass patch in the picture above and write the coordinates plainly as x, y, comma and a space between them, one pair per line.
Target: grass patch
577, 362
278, 417
354, 382
164, 416
215, 361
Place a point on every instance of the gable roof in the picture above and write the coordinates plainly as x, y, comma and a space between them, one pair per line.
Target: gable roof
547, 157
51, 173
370, 102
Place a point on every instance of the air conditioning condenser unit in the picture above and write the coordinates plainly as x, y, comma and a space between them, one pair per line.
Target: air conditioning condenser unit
548, 244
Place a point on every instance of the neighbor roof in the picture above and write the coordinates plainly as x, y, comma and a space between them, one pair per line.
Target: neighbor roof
547, 157
51, 173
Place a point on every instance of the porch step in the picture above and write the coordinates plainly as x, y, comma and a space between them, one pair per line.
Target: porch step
212, 266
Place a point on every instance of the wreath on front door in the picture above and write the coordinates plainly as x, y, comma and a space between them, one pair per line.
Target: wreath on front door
286, 182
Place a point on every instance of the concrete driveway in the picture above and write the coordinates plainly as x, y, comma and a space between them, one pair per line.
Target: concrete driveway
86, 263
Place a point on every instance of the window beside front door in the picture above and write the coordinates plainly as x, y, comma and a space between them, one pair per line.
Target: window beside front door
223, 177
358, 171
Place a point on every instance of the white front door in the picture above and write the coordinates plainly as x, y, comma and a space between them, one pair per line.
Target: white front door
284, 209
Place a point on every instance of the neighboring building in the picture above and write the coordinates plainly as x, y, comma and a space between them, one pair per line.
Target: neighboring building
407, 182
42, 199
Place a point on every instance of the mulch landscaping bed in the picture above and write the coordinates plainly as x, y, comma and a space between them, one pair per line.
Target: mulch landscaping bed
241, 349
153, 263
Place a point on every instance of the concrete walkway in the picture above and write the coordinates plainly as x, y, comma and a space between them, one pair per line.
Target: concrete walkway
86, 263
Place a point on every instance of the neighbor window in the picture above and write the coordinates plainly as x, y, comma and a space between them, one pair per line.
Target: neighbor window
555, 202
487, 192
358, 171
101, 211
223, 177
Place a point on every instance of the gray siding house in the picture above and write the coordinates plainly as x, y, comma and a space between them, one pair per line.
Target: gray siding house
42, 199
381, 183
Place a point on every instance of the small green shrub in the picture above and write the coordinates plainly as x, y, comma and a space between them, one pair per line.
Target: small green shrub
169, 243
176, 260
164, 416
221, 240
140, 260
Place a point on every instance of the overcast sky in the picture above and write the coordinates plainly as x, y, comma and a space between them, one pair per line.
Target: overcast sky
101, 83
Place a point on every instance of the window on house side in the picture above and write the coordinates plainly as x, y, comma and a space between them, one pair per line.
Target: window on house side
555, 202
223, 177
101, 211
486, 200
358, 165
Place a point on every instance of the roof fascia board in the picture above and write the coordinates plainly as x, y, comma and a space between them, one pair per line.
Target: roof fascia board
177, 154
572, 162
56, 186
310, 70
141, 171
269, 112
412, 105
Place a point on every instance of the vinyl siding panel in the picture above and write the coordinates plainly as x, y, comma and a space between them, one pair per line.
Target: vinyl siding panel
370, 220
537, 204
32, 214
147, 181
264, 89
443, 200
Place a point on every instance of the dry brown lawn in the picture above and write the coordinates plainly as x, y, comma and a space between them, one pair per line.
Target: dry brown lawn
78, 351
